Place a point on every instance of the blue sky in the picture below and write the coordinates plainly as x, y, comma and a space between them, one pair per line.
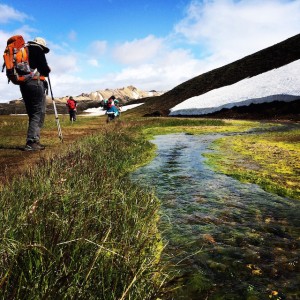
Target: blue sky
98, 44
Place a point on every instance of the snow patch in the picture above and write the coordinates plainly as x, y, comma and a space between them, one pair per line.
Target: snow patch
100, 112
282, 84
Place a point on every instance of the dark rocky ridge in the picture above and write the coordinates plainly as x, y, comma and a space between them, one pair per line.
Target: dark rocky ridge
262, 61
275, 111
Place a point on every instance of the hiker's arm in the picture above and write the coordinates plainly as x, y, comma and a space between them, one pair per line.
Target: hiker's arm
37, 60
43, 68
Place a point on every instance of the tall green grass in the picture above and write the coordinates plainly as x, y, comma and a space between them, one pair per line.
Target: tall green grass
75, 227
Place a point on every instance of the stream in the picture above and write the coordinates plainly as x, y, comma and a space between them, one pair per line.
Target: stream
225, 239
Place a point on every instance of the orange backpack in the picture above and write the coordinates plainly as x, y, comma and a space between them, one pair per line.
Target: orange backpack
16, 60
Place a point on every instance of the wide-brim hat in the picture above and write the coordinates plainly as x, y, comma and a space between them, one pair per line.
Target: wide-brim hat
41, 42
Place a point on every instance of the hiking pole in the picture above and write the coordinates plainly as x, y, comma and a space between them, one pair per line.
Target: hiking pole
55, 112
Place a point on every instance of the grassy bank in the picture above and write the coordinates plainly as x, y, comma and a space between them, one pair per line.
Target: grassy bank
270, 160
75, 225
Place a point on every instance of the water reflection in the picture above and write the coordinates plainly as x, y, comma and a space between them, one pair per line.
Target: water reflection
229, 240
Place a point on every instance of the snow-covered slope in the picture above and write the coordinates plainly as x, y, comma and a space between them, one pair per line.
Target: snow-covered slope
99, 111
281, 84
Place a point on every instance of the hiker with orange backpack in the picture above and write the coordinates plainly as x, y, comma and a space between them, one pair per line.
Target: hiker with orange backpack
26, 66
72, 105
33, 92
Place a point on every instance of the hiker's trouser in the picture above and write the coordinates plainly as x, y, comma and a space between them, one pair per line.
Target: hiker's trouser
72, 114
33, 93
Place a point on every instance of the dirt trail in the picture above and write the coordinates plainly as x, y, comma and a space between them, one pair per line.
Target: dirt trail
14, 161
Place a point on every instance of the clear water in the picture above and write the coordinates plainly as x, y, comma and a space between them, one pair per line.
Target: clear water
226, 239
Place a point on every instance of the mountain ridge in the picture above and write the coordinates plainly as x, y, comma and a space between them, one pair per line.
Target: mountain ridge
124, 94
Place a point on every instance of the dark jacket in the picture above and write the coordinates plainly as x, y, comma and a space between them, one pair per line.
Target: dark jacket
37, 59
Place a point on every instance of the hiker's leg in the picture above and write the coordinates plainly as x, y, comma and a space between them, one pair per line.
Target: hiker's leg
34, 98
43, 112
73, 115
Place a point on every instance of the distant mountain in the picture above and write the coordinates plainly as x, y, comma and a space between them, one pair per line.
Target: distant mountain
85, 100
124, 94
262, 61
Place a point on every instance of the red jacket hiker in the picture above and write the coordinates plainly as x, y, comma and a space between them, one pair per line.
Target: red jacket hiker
72, 104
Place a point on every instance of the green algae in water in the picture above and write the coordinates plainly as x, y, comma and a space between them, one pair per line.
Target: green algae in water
228, 240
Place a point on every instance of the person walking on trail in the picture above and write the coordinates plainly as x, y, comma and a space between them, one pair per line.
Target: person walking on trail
33, 93
112, 110
111, 107
72, 105
110, 102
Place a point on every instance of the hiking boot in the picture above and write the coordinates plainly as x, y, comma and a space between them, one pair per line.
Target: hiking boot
34, 146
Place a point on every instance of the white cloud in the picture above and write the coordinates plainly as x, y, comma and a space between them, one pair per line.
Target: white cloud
93, 62
174, 66
67, 84
98, 47
8, 13
8, 91
62, 64
138, 51
169, 68
238, 28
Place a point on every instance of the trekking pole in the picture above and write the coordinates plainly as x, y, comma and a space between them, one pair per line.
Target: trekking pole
55, 112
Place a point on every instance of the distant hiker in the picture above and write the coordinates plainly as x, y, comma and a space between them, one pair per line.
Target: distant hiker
33, 90
112, 110
110, 102
72, 105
